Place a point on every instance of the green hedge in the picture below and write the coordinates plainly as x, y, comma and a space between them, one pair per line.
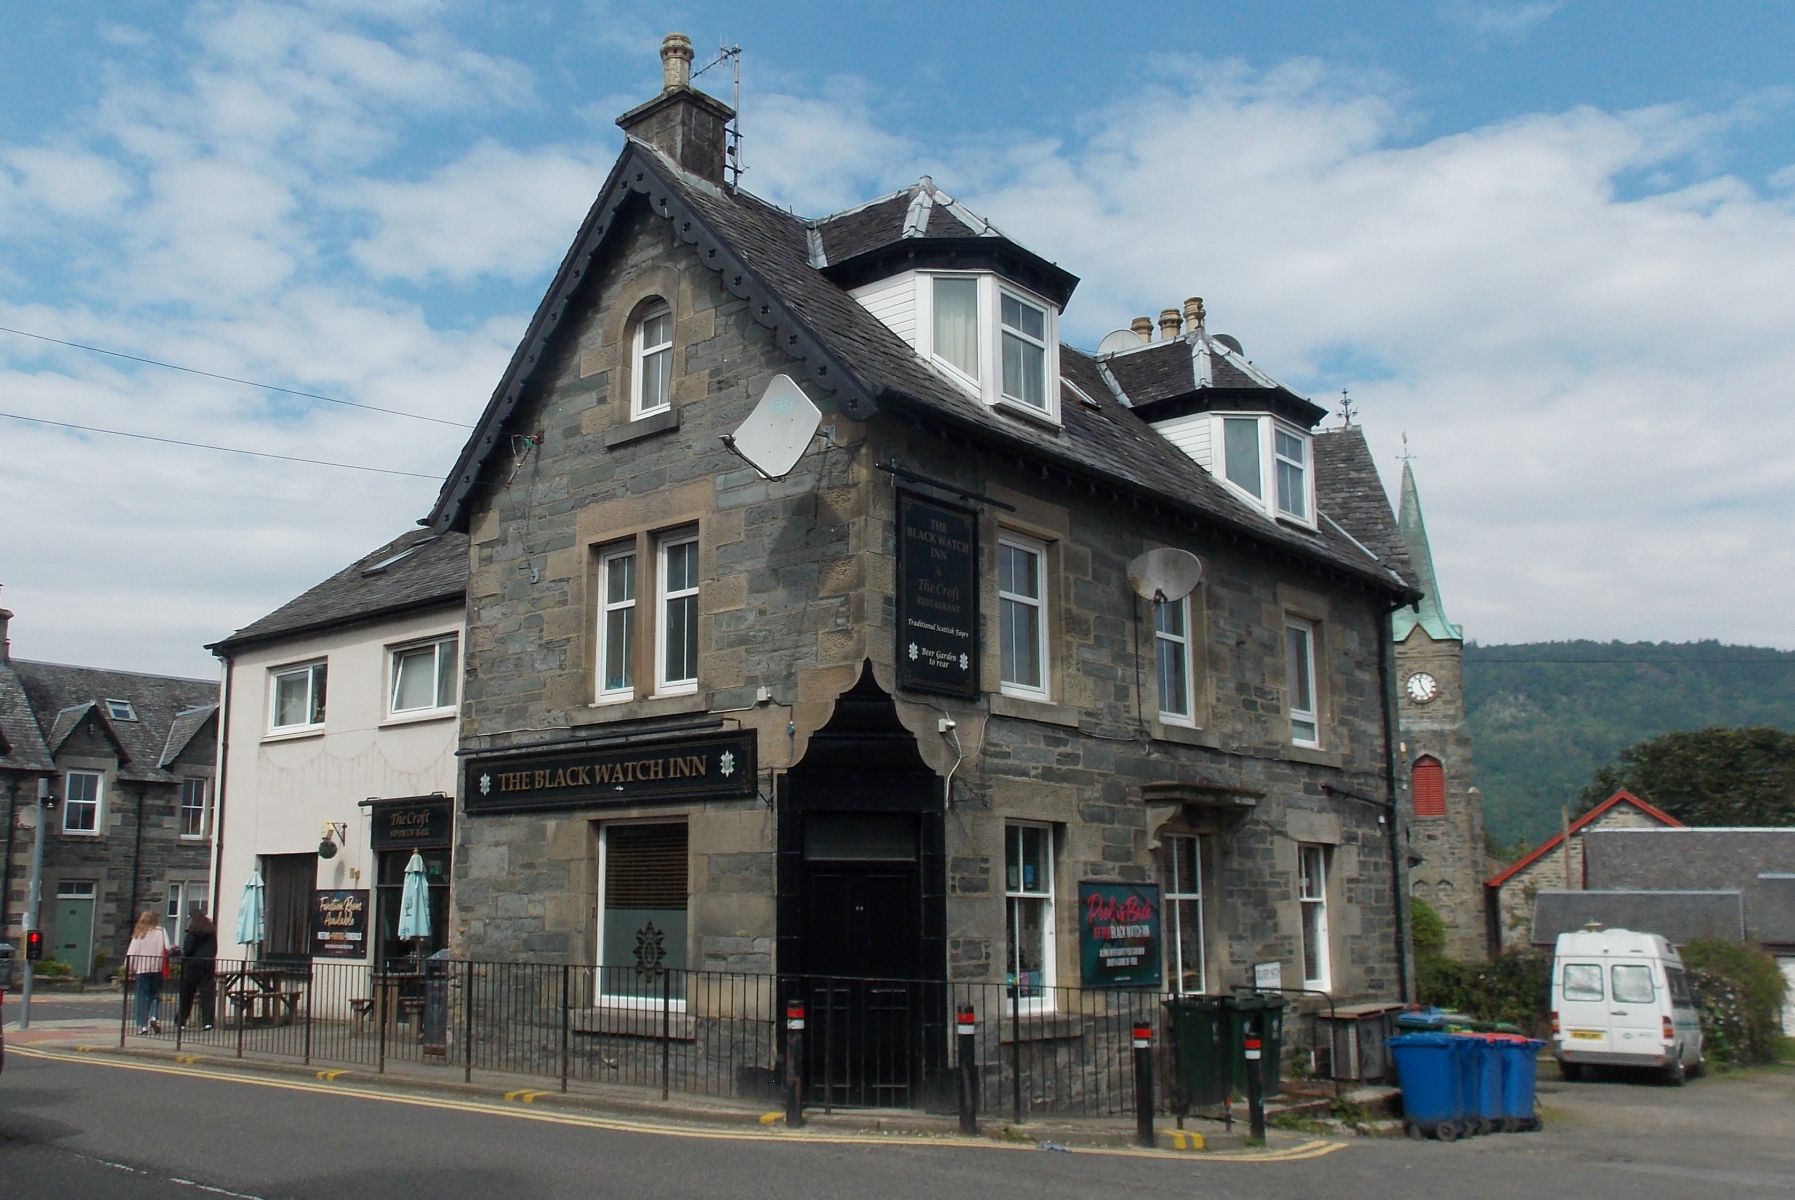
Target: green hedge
1512, 988
1740, 991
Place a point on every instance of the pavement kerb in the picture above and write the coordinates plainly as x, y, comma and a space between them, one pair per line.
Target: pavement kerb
688, 1111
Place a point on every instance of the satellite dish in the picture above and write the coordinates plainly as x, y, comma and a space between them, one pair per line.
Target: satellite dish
776, 433
1165, 574
1118, 341
1230, 342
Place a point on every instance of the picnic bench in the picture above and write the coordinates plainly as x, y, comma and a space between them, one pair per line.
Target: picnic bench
268, 996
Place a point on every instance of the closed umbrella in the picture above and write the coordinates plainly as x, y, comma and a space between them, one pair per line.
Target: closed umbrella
414, 901
249, 913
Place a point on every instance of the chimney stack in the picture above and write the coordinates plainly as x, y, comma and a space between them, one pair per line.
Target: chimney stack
683, 123
1143, 327
1170, 324
1193, 313
5, 635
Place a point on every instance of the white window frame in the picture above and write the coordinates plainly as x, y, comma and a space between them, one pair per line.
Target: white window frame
1020, 607
631, 1000
97, 803
1177, 645
643, 355
1184, 898
1268, 493
609, 561
1312, 905
1305, 721
183, 898
1006, 331
316, 674
1018, 892
120, 710
986, 382
189, 785
443, 676
666, 597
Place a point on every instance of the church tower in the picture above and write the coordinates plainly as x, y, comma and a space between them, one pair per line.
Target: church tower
1444, 809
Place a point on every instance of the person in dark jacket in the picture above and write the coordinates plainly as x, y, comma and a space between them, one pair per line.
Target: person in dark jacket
199, 949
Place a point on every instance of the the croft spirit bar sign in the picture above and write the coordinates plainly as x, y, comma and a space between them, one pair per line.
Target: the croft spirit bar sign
937, 597
711, 767
409, 823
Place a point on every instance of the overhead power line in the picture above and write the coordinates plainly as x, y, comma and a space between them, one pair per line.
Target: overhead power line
270, 387
145, 437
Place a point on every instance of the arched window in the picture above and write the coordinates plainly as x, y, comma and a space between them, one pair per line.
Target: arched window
1428, 783
651, 361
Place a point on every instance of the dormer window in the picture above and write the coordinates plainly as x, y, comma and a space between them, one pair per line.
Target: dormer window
996, 341
1249, 443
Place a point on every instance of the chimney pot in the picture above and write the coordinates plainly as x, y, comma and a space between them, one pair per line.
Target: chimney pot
676, 62
1170, 324
1143, 327
1193, 313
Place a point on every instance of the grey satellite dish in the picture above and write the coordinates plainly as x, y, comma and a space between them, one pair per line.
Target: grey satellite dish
1117, 341
776, 433
1229, 341
1165, 574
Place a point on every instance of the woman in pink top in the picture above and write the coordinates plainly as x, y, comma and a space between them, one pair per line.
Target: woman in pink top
145, 959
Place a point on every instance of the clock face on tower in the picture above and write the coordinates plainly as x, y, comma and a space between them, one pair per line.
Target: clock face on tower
1422, 687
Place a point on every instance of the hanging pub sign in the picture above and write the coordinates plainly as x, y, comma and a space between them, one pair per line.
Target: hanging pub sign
340, 923
1118, 934
937, 597
717, 766
416, 821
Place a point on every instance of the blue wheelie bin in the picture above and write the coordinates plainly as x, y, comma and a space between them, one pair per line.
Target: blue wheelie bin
1520, 1064
1483, 1095
1430, 1070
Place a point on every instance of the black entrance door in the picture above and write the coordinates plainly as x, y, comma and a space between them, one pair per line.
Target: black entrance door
863, 935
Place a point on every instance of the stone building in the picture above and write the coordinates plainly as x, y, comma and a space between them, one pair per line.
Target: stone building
919, 702
1556, 864
129, 758
1443, 805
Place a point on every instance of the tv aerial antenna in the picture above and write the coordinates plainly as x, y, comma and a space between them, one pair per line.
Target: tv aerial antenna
776, 434
731, 52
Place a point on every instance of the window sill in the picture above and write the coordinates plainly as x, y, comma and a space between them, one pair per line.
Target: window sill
1315, 756
421, 717
1028, 412
1186, 735
81, 833
661, 422
1002, 704
293, 735
607, 711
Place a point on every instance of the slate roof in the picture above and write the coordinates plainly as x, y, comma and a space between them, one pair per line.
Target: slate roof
1200, 366
1348, 490
1552, 843
21, 741
64, 698
765, 255
1759, 864
431, 571
1680, 916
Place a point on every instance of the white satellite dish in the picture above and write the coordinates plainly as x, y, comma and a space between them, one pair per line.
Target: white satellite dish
1117, 341
776, 433
1165, 574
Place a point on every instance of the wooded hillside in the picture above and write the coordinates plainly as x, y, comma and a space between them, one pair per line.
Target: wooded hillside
1545, 716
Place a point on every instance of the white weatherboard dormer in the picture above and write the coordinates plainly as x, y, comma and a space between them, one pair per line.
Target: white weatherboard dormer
993, 339
1266, 461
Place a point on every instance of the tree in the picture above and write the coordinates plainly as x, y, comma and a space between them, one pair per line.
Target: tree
1707, 776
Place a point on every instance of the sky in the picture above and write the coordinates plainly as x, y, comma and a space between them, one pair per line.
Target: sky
1550, 244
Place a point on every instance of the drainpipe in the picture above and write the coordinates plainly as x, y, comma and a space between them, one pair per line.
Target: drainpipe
143, 802
12, 835
221, 759
1386, 652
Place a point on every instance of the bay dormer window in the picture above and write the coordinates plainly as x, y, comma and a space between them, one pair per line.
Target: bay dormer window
1251, 443
997, 341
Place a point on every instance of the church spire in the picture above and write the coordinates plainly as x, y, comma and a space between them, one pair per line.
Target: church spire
1430, 614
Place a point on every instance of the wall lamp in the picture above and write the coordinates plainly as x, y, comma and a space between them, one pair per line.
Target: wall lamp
334, 832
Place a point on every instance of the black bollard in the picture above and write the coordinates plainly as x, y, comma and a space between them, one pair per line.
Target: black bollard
1143, 1083
966, 1025
794, 1064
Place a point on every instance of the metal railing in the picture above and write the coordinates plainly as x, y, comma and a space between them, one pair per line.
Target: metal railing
867, 1042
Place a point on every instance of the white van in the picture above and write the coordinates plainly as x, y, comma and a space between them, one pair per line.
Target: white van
1621, 999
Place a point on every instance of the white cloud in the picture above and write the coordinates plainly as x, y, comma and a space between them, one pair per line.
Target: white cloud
1508, 21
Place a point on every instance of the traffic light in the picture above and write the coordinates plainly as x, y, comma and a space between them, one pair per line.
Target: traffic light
34, 944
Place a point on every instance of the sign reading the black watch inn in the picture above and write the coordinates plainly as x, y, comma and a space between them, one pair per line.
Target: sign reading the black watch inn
717, 766
937, 597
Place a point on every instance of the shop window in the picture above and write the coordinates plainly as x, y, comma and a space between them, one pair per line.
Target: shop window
642, 913
1186, 960
390, 952
1028, 913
